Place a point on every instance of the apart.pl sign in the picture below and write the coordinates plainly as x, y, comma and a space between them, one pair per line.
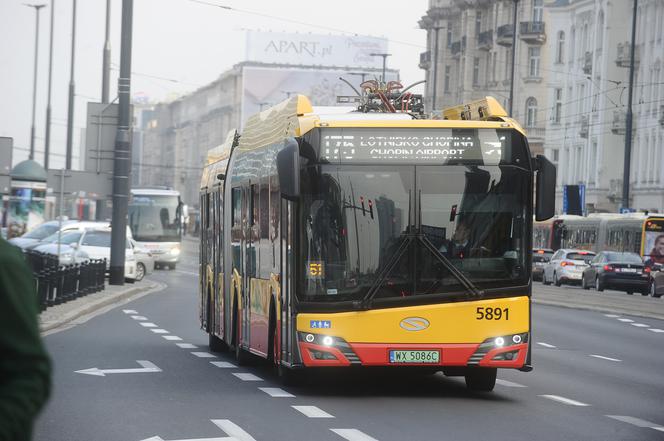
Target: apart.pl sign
318, 50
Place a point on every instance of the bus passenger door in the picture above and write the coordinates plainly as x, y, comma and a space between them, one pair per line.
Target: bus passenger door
288, 275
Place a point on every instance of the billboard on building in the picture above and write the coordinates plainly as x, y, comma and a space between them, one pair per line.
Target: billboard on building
314, 50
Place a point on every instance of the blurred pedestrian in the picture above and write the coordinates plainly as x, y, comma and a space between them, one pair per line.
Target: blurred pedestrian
25, 368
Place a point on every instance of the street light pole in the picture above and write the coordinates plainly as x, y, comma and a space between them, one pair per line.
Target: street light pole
384, 55
629, 117
106, 68
511, 103
70, 108
47, 138
34, 83
435, 69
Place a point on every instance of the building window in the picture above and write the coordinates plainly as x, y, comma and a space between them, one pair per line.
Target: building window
478, 24
508, 64
538, 10
534, 61
447, 79
560, 48
531, 112
449, 35
558, 106
476, 71
556, 155
600, 31
493, 66
571, 46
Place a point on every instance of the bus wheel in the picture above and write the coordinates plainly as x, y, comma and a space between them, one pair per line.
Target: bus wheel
241, 356
481, 379
289, 377
216, 344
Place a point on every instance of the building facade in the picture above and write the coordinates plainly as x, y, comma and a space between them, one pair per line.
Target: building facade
589, 59
469, 56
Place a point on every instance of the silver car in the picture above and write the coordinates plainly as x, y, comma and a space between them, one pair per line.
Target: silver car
68, 254
566, 266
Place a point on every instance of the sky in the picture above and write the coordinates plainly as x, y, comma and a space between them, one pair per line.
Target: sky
178, 46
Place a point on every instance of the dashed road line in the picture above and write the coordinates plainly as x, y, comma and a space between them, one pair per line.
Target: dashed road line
138, 317
508, 383
611, 315
171, 338
223, 364
656, 330
636, 422
246, 376
186, 346
129, 311
640, 325
353, 435
604, 358
276, 392
203, 355
312, 412
159, 331
148, 325
233, 430
564, 400
624, 320
546, 345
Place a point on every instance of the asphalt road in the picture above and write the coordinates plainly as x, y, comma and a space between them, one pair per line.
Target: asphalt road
597, 376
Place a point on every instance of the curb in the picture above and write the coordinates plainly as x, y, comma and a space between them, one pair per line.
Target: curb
600, 308
95, 305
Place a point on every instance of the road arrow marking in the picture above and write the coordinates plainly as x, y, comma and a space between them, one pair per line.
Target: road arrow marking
147, 367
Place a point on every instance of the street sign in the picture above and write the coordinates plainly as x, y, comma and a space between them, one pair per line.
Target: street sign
147, 367
232, 430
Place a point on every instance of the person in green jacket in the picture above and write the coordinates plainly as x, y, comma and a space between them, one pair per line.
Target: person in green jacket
25, 368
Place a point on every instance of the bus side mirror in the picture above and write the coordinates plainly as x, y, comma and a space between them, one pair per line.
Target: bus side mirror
545, 200
288, 168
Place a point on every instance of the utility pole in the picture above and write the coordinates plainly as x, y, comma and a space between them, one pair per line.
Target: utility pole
384, 55
122, 163
70, 107
435, 69
628, 122
106, 67
47, 139
34, 83
516, 4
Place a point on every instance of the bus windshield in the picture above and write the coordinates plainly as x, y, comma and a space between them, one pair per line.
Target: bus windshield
155, 218
383, 229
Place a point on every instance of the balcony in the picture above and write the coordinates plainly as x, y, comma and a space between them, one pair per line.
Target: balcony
536, 134
425, 60
584, 126
504, 35
532, 32
485, 40
623, 57
455, 48
618, 125
588, 63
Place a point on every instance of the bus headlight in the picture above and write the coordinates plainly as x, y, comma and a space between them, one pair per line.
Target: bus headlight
328, 341
500, 342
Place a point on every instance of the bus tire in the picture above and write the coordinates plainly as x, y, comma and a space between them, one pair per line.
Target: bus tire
241, 356
289, 377
481, 379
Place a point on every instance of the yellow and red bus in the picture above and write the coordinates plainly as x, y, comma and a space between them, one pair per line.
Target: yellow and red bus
373, 239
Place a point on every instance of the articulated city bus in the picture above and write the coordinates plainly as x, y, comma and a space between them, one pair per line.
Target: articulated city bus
373, 239
155, 219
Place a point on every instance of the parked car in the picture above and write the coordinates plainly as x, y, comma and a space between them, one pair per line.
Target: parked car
144, 260
68, 254
97, 244
541, 257
615, 270
656, 279
33, 238
566, 266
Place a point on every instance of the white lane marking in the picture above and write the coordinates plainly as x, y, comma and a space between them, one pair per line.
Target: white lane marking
636, 422
624, 320
546, 345
148, 325
245, 376
611, 315
353, 435
604, 358
186, 346
564, 400
640, 325
146, 367
508, 383
233, 430
223, 364
129, 311
656, 330
312, 412
172, 337
159, 331
203, 355
138, 317
276, 392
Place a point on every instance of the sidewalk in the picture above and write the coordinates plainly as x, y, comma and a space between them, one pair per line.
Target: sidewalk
59, 315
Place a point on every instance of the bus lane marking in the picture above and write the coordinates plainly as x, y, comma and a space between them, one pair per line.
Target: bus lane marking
546, 345
604, 358
353, 435
245, 376
312, 412
203, 355
186, 346
640, 325
624, 320
172, 337
656, 330
611, 315
223, 364
508, 383
564, 400
159, 331
148, 325
139, 317
276, 392
636, 422
129, 311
